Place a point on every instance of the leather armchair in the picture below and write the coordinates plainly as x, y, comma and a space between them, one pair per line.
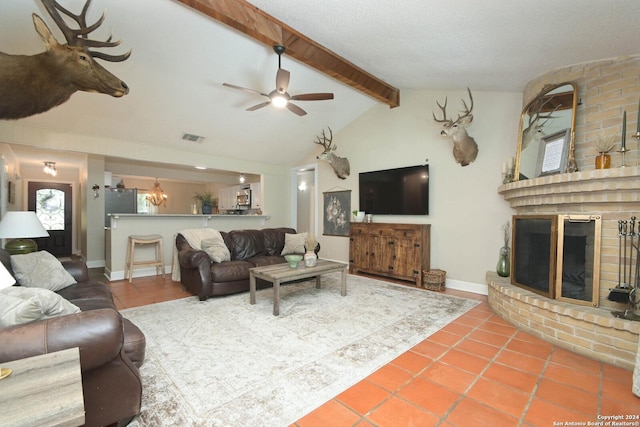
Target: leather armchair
111, 382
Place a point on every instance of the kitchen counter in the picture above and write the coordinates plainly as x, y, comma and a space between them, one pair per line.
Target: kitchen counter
115, 217
167, 225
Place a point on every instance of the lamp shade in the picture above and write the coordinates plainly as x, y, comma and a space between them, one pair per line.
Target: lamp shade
21, 224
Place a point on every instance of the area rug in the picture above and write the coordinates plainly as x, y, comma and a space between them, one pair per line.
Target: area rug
224, 362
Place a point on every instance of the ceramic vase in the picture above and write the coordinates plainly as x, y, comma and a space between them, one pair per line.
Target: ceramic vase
504, 268
310, 259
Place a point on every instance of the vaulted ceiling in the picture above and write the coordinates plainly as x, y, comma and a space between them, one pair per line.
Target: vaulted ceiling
181, 56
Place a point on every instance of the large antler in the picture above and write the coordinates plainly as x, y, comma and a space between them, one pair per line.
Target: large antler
444, 113
78, 37
450, 122
324, 139
467, 110
533, 118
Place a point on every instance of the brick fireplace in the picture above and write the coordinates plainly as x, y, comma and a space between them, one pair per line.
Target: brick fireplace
614, 194
605, 89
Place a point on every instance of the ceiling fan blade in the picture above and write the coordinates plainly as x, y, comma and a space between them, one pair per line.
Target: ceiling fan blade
244, 89
312, 97
282, 80
295, 109
255, 107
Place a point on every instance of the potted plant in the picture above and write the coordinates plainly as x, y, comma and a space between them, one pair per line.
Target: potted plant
358, 216
206, 200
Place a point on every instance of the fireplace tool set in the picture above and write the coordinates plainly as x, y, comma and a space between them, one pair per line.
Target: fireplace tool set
628, 271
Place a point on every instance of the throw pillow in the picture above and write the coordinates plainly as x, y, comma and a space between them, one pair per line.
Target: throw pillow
21, 305
216, 249
41, 270
294, 243
6, 279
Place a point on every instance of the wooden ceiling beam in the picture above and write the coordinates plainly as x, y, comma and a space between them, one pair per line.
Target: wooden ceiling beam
250, 20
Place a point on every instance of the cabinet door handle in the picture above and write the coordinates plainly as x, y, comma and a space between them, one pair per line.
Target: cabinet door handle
391, 242
416, 245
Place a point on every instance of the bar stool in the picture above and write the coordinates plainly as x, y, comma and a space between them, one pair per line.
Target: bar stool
155, 239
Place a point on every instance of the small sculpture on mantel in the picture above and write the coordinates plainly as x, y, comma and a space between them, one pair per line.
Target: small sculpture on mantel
465, 149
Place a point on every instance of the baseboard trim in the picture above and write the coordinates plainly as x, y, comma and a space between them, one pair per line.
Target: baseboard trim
476, 288
137, 272
95, 264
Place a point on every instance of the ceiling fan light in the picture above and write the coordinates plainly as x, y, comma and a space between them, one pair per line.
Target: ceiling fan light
279, 101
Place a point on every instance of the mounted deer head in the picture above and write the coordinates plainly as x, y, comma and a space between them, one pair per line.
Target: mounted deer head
339, 164
37, 83
465, 149
534, 131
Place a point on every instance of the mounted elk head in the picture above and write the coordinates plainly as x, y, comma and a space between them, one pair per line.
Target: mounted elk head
465, 149
339, 164
37, 83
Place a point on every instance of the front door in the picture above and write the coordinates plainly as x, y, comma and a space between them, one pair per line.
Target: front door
52, 204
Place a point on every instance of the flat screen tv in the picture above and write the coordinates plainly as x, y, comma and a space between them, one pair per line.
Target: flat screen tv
401, 191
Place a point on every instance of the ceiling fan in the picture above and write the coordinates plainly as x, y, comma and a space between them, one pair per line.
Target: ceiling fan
279, 97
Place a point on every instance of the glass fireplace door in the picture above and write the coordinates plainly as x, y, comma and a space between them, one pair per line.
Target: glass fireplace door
558, 256
578, 275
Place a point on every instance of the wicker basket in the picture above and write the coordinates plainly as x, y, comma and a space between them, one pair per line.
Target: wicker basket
434, 280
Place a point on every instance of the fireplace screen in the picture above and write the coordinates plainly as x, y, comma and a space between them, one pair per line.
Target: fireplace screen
558, 256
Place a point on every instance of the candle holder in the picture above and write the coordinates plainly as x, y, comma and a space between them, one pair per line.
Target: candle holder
623, 150
507, 176
508, 170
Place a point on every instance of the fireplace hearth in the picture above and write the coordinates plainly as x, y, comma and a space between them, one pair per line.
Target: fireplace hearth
614, 195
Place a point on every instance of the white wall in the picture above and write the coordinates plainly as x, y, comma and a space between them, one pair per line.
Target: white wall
466, 212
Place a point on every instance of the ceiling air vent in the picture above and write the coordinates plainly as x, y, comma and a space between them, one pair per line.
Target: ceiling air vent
192, 138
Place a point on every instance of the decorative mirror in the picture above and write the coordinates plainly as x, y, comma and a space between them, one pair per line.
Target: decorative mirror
551, 112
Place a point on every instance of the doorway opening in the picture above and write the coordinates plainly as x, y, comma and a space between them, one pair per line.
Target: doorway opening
52, 204
304, 199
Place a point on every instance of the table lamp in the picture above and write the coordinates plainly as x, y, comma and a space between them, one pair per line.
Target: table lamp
21, 226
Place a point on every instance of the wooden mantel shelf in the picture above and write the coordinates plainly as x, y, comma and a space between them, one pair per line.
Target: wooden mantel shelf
574, 190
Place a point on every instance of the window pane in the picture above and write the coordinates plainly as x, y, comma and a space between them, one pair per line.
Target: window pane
50, 208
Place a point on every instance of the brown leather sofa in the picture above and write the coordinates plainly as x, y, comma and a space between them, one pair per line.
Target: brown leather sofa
249, 248
111, 347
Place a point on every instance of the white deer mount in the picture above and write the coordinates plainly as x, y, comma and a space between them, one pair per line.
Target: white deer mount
465, 149
340, 165
535, 129
33, 84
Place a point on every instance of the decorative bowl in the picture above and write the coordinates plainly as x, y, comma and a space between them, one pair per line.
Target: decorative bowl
293, 260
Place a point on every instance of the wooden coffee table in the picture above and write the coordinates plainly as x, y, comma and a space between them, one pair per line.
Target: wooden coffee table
281, 273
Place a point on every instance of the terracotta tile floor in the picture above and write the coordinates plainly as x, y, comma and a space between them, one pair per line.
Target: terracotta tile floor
477, 371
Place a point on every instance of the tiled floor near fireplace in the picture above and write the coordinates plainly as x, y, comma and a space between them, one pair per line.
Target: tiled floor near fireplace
477, 371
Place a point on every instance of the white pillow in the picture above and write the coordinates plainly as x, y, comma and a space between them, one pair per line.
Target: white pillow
21, 305
40, 270
6, 279
216, 249
294, 243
